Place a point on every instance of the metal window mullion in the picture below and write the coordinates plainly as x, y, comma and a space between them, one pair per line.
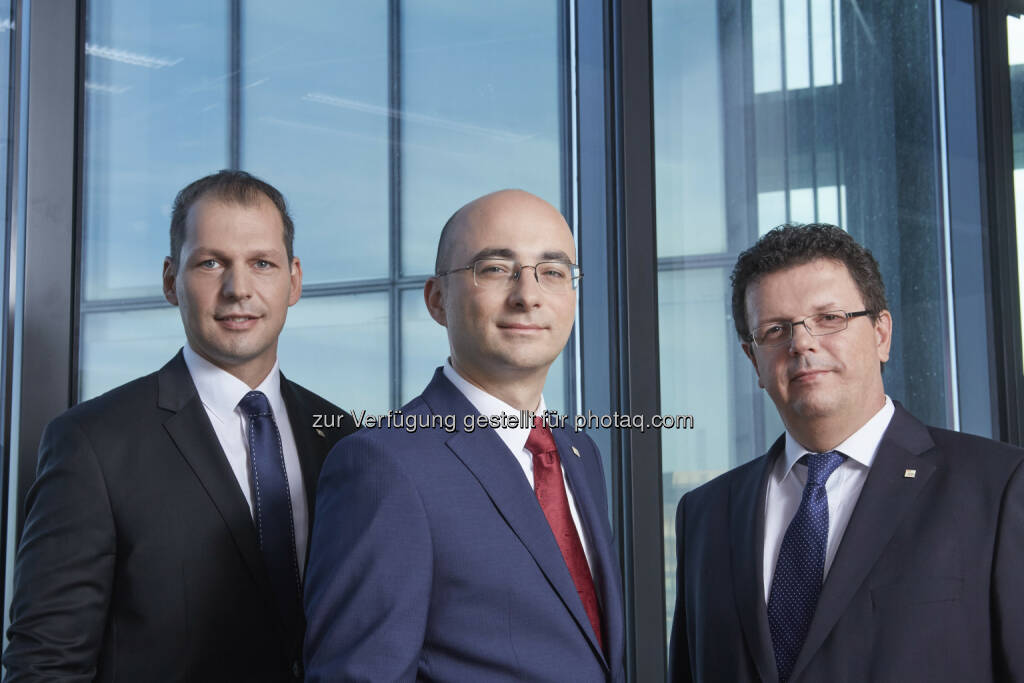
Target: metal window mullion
395, 199
235, 84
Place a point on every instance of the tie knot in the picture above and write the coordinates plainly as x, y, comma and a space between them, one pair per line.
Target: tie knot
820, 466
254, 404
540, 440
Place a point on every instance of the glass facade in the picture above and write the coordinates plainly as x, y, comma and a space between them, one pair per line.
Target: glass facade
375, 121
798, 111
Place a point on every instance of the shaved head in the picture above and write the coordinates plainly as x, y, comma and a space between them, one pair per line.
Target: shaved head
480, 210
503, 337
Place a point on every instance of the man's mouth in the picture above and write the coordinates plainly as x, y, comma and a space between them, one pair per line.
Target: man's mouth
237, 322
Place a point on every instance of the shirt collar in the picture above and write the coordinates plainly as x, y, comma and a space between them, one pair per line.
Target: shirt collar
861, 446
220, 391
486, 404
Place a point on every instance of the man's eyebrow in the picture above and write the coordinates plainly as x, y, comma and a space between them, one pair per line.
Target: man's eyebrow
493, 252
500, 252
555, 256
206, 253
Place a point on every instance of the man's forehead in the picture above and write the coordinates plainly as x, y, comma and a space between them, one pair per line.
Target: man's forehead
833, 285
211, 219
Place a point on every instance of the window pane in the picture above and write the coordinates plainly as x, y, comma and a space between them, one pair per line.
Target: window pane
315, 124
118, 346
424, 344
690, 158
156, 117
481, 111
793, 111
333, 346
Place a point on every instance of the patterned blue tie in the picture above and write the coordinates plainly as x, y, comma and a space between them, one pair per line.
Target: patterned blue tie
272, 503
801, 565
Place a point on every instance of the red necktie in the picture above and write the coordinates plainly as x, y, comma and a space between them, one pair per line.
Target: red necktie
550, 489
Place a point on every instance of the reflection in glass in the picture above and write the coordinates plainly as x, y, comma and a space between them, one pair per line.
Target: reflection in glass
691, 199
775, 111
1015, 41
481, 111
315, 124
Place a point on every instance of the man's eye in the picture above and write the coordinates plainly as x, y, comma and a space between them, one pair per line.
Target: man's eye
773, 331
208, 263
554, 274
263, 264
493, 269
829, 317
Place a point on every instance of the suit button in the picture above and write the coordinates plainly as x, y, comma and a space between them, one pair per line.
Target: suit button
297, 670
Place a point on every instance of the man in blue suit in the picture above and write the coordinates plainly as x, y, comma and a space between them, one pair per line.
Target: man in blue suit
865, 545
448, 550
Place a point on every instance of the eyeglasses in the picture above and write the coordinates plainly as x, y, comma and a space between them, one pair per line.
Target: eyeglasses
819, 324
555, 277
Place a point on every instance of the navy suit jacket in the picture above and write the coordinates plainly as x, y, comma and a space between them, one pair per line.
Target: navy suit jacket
927, 583
140, 560
432, 560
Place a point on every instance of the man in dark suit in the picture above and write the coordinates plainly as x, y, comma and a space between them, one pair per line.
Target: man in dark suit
865, 545
446, 550
166, 529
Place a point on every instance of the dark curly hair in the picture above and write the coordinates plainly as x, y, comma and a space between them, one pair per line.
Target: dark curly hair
230, 186
794, 245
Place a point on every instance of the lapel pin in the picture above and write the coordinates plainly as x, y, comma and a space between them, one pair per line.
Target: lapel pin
321, 433
909, 474
576, 452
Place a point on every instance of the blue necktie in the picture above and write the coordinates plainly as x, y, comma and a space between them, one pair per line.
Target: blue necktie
801, 565
272, 502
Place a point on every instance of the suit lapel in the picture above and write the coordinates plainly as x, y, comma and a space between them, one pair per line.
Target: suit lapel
312, 447
596, 526
190, 429
485, 455
746, 521
884, 501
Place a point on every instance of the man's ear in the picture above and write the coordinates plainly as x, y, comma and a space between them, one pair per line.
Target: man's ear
748, 349
433, 296
883, 334
296, 275
170, 281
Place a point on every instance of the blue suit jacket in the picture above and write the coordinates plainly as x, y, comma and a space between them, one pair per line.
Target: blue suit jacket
431, 559
926, 584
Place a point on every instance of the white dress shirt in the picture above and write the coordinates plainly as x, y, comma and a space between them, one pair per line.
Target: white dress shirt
220, 392
515, 439
786, 488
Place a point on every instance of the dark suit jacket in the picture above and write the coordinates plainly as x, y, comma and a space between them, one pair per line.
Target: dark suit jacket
432, 560
139, 559
927, 583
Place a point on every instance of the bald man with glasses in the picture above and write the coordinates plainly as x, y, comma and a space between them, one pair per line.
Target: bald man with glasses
473, 553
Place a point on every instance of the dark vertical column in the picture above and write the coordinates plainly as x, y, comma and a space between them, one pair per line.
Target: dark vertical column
52, 216
975, 338
999, 216
634, 255
12, 245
